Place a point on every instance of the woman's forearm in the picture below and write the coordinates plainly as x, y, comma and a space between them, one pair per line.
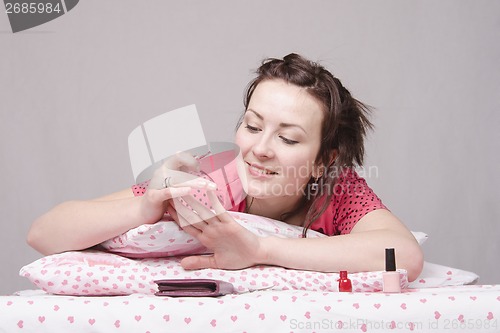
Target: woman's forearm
355, 252
76, 225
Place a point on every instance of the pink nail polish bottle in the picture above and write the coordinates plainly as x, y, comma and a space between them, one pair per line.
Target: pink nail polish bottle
390, 277
345, 284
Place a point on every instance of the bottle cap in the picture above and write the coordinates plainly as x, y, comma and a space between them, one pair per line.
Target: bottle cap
343, 274
390, 260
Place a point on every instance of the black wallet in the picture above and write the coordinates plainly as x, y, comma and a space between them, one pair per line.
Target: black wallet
193, 288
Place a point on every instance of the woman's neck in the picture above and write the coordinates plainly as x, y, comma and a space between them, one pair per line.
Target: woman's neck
274, 208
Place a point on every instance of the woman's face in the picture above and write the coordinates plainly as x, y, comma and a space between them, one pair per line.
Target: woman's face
279, 139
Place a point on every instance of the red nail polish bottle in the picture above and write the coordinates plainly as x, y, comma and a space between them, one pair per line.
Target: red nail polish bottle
345, 284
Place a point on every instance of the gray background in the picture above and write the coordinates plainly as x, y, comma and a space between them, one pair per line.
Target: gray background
72, 89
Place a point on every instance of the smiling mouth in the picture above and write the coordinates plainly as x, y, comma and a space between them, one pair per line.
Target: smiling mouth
261, 171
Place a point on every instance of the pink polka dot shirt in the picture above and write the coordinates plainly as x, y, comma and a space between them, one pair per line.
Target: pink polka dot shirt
352, 199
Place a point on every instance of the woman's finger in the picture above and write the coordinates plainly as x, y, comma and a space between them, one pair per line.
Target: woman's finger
174, 178
168, 193
203, 211
177, 171
199, 262
182, 222
176, 192
187, 217
189, 180
172, 212
216, 204
182, 161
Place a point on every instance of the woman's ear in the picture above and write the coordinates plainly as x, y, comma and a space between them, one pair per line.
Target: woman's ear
321, 168
318, 171
333, 156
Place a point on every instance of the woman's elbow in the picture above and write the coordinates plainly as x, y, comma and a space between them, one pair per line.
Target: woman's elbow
35, 238
413, 260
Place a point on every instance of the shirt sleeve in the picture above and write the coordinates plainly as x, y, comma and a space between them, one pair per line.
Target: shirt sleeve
352, 199
140, 189
355, 200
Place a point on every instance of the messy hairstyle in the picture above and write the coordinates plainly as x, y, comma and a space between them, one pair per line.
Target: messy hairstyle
345, 123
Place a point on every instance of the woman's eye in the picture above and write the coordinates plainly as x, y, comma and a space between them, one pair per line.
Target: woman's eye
252, 129
288, 141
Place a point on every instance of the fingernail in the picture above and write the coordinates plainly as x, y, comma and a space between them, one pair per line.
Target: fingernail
180, 191
201, 183
207, 184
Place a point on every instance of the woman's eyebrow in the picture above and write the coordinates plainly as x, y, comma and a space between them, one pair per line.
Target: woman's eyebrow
256, 113
281, 124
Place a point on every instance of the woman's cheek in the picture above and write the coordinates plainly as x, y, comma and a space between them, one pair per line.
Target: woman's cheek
242, 134
241, 169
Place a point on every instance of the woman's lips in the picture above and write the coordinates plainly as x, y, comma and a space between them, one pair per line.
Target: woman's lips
259, 171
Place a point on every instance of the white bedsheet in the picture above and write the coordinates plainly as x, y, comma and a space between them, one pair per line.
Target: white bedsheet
445, 309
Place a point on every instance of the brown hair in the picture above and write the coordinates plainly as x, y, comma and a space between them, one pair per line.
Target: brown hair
345, 123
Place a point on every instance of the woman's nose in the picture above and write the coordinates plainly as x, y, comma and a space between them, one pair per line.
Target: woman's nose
262, 148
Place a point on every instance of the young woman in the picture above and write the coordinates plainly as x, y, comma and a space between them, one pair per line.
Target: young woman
301, 136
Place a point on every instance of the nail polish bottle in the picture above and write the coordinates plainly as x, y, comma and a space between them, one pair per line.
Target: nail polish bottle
390, 277
345, 284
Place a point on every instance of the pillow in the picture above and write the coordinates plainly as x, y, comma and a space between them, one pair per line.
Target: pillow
166, 238
421, 237
434, 275
100, 273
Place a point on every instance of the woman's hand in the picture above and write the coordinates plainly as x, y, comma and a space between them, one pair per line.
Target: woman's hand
233, 246
171, 180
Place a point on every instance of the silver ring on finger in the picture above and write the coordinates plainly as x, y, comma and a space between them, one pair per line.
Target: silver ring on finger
166, 182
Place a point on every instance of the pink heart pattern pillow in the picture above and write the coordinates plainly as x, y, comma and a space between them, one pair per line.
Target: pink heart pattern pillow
166, 238
100, 273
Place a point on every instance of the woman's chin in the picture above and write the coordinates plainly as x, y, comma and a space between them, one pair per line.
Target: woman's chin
258, 190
